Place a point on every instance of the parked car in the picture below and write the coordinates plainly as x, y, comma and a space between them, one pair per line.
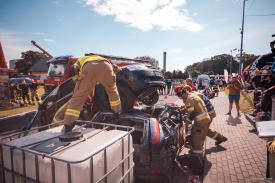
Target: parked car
20, 80
135, 83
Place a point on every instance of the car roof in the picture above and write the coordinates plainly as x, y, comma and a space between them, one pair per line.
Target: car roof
20, 80
204, 76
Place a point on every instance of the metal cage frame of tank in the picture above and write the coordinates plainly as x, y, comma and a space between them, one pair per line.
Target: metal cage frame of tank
88, 124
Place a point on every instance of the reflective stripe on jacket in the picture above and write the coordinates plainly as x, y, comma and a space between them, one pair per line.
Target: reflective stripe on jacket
82, 61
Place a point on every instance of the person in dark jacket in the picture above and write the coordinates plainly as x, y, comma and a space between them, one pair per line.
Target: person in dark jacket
33, 88
25, 92
272, 47
13, 92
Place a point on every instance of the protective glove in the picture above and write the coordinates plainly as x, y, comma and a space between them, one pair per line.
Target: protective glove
183, 109
271, 147
75, 77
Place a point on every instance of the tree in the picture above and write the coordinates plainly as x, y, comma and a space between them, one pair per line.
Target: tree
210, 73
195, 74
154, 62
168, 75
249, 59
29, 58
216, 65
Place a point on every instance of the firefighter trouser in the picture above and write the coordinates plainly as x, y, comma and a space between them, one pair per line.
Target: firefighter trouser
199, 133
213, 134
60, 113
93, 73
271, 163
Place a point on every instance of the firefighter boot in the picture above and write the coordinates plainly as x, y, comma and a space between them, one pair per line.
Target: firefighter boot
220, 139
67, 128
70, 135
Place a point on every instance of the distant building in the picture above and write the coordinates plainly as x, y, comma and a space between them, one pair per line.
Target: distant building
40, 69
12, 63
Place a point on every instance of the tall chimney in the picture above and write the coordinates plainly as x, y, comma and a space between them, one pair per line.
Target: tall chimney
164, 61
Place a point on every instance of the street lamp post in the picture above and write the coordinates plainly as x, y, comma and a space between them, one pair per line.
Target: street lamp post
230, 65
241, 50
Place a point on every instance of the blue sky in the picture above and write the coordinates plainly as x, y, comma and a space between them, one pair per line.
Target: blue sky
189, 30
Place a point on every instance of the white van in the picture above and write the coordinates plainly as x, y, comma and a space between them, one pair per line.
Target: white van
202, 81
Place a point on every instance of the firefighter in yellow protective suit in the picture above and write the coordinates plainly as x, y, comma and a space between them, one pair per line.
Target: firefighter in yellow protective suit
197, 112
271, 159
91, 70
212, 114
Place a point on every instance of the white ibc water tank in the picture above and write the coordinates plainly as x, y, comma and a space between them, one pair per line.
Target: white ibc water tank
110, 151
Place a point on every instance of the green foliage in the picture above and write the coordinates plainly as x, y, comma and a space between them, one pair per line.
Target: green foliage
168, 75
29, 58
154, 62
195, 73
217, 64
176, 74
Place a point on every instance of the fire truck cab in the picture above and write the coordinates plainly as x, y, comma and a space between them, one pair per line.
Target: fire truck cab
58, 72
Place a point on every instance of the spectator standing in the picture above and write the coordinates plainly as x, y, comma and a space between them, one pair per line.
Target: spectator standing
234, 87
169, 85
25, 92
33, 88
223, 83
13, 92
256, 80
220, 84
216, 81
272, 47
266, 81
212, 82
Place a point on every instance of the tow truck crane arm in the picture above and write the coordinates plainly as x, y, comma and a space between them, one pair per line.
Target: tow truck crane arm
44, 51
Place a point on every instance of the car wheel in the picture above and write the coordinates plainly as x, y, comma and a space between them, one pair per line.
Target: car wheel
127, 97
151, 99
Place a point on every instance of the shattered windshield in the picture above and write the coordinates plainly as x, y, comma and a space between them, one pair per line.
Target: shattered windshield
56, 70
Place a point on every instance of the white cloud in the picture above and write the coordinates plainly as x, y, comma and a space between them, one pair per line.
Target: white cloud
49, 40
195, 14
13, 44
206, 48
147, 14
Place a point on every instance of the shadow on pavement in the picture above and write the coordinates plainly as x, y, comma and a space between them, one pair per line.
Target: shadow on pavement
214, 149
206, 167
233, 121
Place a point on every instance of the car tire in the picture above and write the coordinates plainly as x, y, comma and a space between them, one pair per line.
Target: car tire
127, 97
151, 99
